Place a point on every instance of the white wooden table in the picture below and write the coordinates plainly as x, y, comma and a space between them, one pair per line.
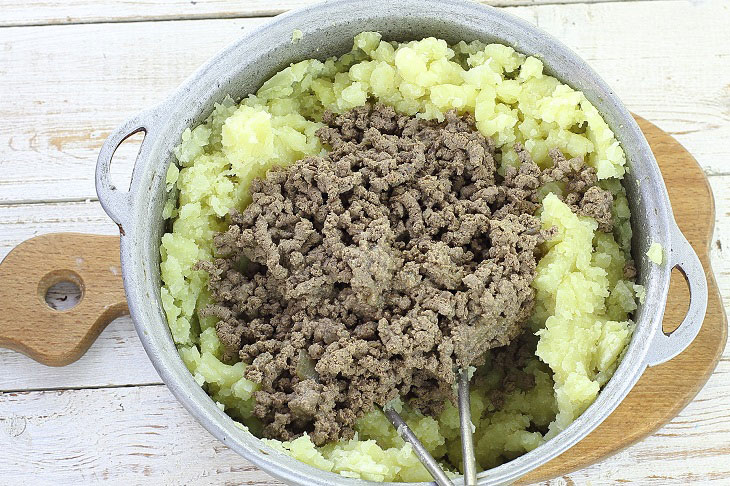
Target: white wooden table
70, 72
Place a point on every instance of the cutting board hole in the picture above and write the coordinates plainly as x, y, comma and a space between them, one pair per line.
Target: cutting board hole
61, 290
120, 170
679, 298
63, 295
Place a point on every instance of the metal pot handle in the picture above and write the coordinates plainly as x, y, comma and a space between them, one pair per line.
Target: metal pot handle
116, 202
666, 346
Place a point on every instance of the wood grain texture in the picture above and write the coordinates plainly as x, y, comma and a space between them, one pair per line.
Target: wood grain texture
143, 436
19, 222
81, 91
50, 336
676, 382
46, 12
119, 436
87, 79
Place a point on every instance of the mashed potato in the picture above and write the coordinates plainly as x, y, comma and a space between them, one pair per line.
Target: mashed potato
583, 303
655, 253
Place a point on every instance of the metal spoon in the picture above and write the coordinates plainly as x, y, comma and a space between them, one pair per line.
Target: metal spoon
467, 434
426, 459
467, 438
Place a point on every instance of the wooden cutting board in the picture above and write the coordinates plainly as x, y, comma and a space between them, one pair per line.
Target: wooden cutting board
57, 338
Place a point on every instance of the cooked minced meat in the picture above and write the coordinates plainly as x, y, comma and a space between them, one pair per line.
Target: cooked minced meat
379, 269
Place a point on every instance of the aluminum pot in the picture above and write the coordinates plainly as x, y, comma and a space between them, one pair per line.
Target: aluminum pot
328, 29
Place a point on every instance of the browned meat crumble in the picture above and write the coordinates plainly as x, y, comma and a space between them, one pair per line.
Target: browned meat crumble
377, 270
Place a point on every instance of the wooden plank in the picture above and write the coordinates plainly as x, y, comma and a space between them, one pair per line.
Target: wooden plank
86, 79
135, 435
44, 12
142, 436
20, 222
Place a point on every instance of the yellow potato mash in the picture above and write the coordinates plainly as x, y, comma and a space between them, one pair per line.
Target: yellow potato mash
582, 317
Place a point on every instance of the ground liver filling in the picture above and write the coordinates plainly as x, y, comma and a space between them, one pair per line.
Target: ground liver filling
379, 269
